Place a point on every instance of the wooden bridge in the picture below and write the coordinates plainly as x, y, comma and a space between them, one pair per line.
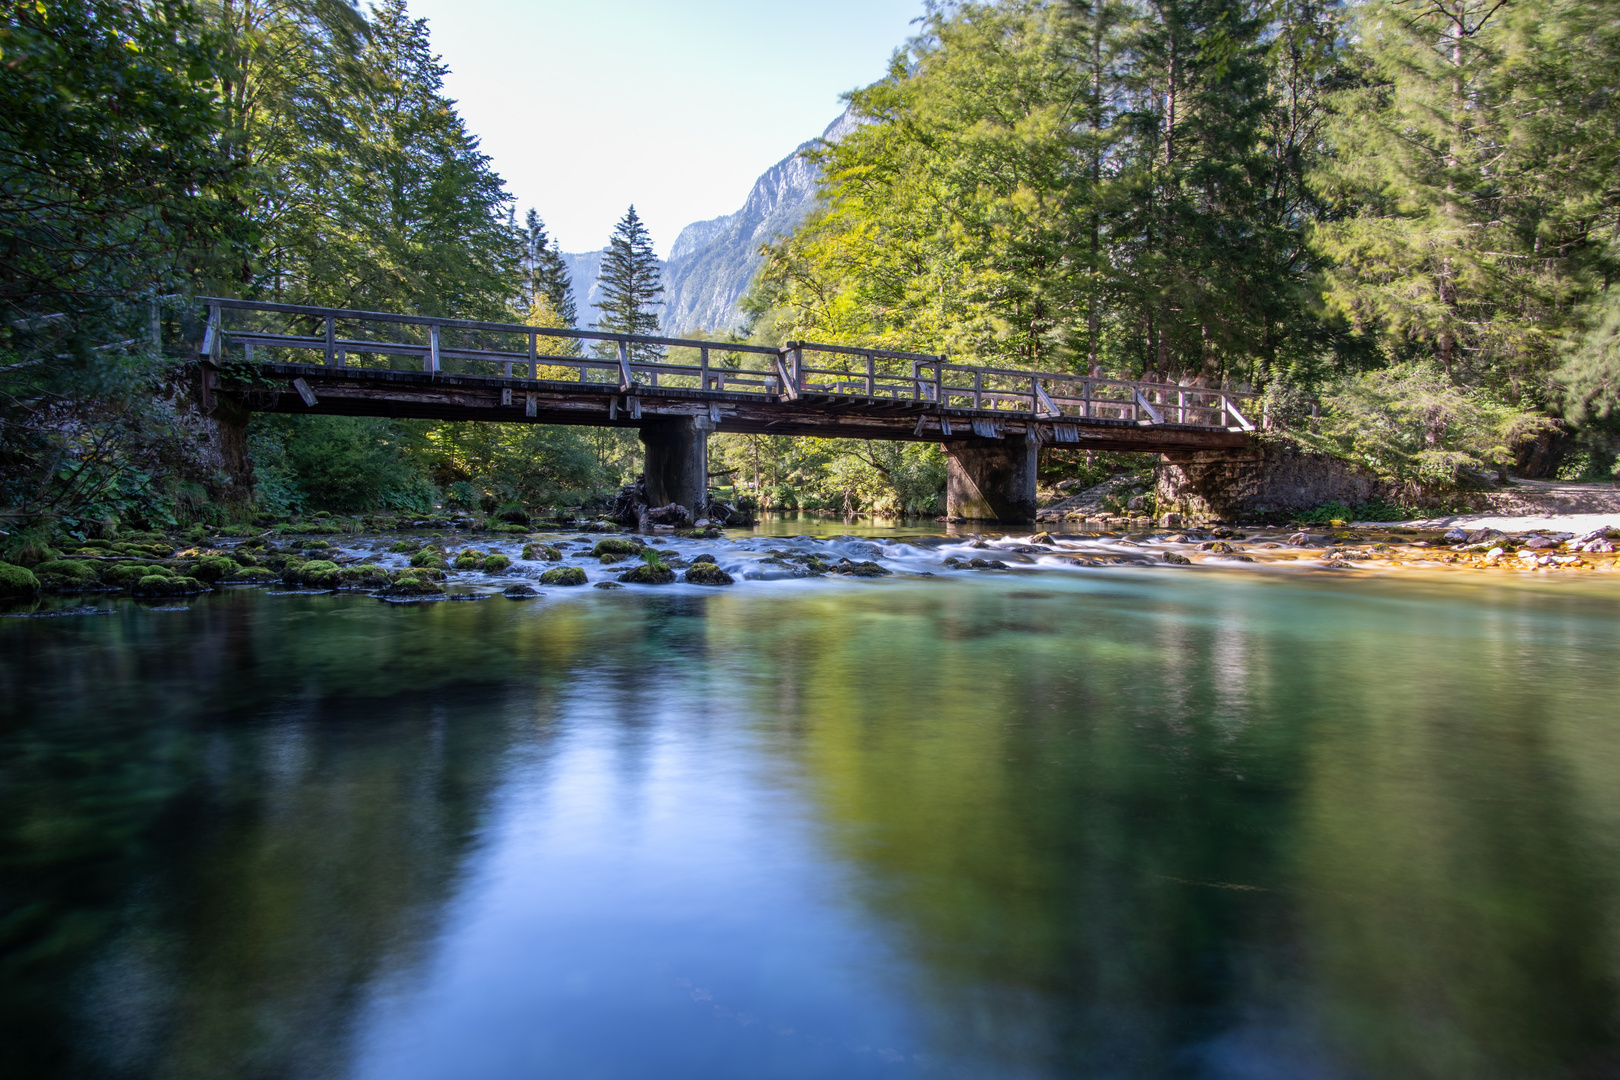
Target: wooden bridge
991, 421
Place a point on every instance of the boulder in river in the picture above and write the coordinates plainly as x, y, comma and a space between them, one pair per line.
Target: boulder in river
707, 573
66, 575
859, 569
648, 574
411, 587
1176, 560
17, 581
617, 546
563, 575
520, 592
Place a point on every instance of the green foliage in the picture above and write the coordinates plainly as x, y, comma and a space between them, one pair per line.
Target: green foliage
342, 463
1411, 423
1589, 378
1475, 175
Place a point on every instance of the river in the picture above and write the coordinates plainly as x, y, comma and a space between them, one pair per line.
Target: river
1112, 822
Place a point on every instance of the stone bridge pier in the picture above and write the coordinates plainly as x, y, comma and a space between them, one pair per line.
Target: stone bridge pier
677, 461
991, 479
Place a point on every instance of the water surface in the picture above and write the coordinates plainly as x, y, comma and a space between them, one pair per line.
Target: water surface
1121, 823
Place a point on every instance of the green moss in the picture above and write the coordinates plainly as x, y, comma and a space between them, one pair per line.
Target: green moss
423, 573
648, 574
616, 545
403, 547
97, 544
429, 557
17, 581
563, 575
410, 586
707, 573
257, 574
496, 563
859, 569
215, 568
544, 552
66, 574
317, 574
364, 576
159, 585
125, 575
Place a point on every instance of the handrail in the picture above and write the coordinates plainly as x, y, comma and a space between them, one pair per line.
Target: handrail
934, 381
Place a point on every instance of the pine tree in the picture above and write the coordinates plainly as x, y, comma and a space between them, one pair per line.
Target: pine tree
546, 272
631, 285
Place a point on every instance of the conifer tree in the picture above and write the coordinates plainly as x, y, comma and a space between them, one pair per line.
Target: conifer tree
545, 271
632, 285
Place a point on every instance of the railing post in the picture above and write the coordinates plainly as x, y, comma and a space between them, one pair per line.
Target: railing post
703, 368
331, 341
433, 347
798, 369
871, 375
534, 355
939, 380
978, 388
216, 333
626, 379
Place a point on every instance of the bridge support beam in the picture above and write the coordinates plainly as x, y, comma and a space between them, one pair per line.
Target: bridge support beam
677, 469
990, 479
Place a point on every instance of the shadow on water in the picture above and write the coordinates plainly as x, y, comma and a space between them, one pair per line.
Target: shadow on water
1097, 825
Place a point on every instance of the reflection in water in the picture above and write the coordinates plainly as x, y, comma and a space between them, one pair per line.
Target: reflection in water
1105, 825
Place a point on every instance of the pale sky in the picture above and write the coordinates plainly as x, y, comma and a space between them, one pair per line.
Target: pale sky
587, 106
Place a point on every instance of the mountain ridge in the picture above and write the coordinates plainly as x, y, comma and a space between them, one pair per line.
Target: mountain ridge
712, 262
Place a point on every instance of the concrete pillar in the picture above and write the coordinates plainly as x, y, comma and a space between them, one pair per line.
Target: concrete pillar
677, 457
990, 479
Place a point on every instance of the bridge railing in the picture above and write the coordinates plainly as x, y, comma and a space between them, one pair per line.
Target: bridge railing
255, 331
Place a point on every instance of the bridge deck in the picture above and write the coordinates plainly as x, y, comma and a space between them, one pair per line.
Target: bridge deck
446, 369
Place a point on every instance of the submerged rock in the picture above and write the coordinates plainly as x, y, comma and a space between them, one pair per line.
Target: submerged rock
707, 573
607, 585
1174, 559
563, 575
859, 569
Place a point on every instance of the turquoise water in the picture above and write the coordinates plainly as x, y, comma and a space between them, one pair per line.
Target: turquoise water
1113, 823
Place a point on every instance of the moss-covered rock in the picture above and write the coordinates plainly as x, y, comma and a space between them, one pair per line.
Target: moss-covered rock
616, 545
317, 574
705, 557
413, 587
496, 562
67, 575
17, 581
542, 552
519, 592
470, 559
648, 574
563, 575
707, 573
257, 575
160, 585
125, 575
215, 568
430, 557
422, 573
103, 544
1176, 560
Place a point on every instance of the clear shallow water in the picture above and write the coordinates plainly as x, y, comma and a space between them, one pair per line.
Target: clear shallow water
1122, 823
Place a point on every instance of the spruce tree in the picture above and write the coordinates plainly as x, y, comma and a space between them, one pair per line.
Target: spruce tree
546, 273
631, 285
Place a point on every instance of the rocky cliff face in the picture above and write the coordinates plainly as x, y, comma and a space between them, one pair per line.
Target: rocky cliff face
712, 262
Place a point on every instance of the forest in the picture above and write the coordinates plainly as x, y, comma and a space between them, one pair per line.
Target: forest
1397, 220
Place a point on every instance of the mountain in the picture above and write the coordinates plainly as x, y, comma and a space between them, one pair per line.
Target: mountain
712, 262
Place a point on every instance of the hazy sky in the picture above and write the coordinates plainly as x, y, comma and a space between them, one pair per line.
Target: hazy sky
587, 106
